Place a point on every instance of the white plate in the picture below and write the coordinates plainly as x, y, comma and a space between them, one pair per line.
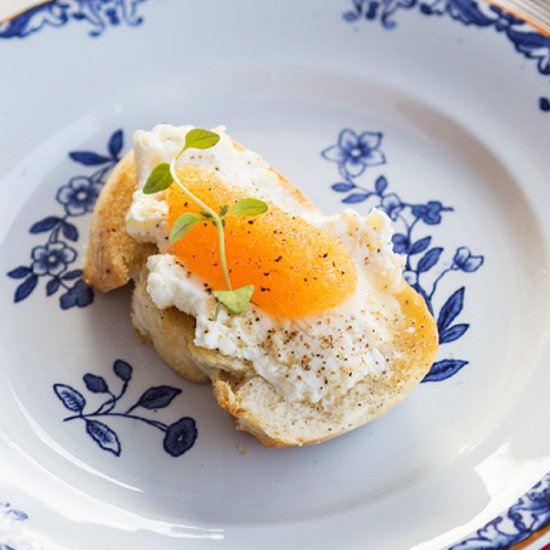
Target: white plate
455, 100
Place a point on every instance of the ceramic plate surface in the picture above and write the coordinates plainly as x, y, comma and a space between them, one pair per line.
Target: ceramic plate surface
435, 111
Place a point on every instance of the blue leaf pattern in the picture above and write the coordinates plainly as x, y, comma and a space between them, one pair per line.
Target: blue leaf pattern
88, 158
115, 144
52, 286
70, 231
354, 198
52, 261
452, 307
95, 384
441, 370
452, 333
71, 398
380, 185
178, 438
342, 187
420, 245
47, 224
429, 260
19, 272
157, 397
106, 438
25, 288
74, 274
123, 370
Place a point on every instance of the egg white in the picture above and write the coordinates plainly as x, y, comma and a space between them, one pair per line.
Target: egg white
314, 359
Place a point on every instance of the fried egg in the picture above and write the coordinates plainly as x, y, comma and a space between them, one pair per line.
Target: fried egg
324, 312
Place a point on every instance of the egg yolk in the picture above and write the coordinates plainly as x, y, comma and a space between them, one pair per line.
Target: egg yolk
296, 269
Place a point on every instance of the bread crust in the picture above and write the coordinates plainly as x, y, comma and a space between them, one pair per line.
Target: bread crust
114, 258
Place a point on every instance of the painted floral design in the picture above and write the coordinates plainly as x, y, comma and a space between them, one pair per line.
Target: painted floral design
53, 261
525, 40
423, 258
528, 514
354, 153
97, 14
179, 437
79, 195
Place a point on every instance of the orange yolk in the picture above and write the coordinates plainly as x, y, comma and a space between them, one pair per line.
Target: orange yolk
296, 269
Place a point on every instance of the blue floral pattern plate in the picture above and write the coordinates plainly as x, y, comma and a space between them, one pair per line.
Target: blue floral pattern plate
437, 112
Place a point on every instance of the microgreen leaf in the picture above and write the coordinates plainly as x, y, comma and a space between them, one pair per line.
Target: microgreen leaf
249, 207
223, 210
182, 226
237, 300
159, 179
205, 214
198, 138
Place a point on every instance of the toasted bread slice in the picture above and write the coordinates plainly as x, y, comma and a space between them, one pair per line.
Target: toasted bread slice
257, 407
260, 410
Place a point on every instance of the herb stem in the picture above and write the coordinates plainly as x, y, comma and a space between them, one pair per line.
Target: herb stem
215, 218
190, 195
221, 244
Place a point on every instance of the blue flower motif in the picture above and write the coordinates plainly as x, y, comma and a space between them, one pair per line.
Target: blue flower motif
464, 260
392, 205
180, 436
429, 213
52, 259
79, 195
79, 295
401, 243
354, 153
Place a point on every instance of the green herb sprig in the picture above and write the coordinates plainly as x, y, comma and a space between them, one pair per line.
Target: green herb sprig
237, 300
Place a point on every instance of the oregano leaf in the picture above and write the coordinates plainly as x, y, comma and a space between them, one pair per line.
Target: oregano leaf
159, 179
249, 207
182, 226
236, 301
199, 138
